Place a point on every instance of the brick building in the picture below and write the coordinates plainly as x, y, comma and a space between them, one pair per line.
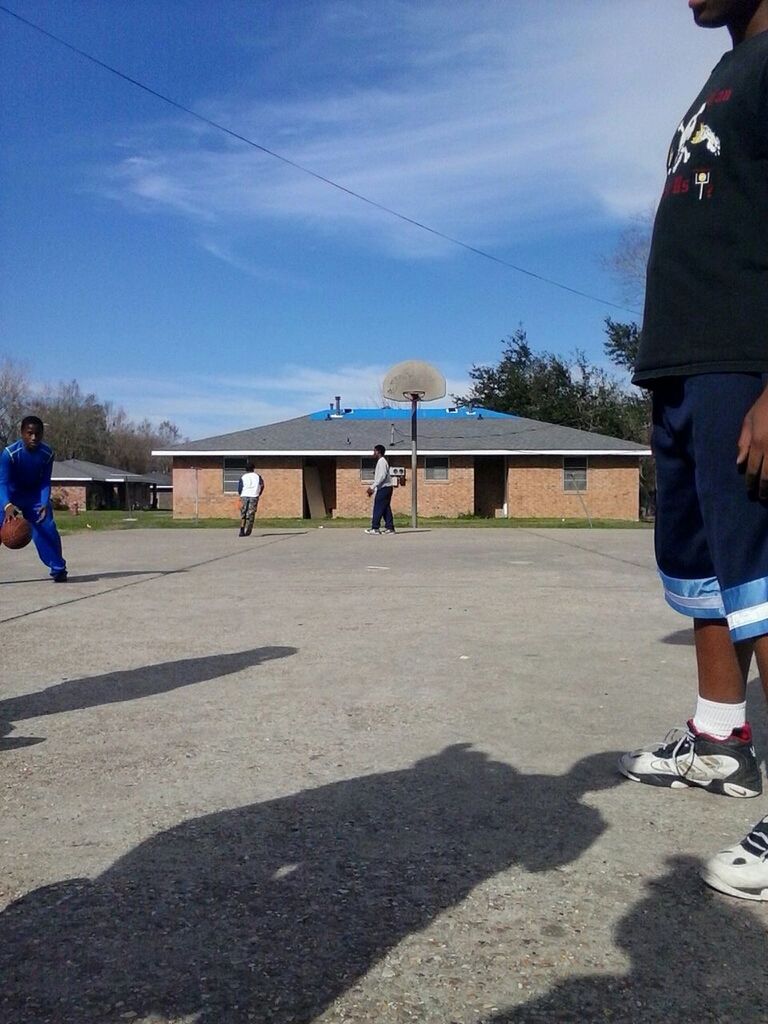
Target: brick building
471, 462
79, 485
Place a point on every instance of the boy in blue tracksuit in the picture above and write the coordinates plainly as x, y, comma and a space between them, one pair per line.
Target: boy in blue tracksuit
25, 489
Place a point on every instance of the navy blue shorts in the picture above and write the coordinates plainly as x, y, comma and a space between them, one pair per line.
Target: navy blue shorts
711, 536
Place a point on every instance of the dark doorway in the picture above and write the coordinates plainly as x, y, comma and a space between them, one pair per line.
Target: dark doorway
319, 488
489, 486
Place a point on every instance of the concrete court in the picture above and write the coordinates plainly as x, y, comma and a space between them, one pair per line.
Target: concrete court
320, 776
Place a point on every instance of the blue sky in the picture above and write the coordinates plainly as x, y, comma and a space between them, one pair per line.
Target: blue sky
185, 275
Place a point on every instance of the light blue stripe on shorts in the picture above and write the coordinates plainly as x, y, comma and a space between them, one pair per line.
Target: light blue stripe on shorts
698, 599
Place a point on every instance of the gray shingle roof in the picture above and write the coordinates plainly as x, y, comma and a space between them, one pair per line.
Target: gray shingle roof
307, 435
73, 470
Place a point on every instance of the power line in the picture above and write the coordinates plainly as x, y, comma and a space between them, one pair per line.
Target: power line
314, 174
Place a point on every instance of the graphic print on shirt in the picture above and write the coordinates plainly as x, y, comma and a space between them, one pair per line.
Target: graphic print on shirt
691, 133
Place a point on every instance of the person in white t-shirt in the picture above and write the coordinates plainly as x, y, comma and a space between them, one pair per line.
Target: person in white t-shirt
249, 488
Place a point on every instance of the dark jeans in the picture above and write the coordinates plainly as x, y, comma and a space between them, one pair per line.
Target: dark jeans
381, 507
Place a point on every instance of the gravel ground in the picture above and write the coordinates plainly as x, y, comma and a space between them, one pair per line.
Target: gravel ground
320, 776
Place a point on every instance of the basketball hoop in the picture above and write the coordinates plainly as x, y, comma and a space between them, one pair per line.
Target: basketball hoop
416, 382
413, 378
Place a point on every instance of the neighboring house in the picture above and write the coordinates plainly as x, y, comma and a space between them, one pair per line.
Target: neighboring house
161, 491
471, 462
80, 485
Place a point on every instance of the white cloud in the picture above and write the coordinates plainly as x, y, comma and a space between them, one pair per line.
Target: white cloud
204, 406
490, 122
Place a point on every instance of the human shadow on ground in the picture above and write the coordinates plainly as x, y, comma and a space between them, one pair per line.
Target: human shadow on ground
696, 958
131, 684
680, 638
94, 577
285, 533
270, 912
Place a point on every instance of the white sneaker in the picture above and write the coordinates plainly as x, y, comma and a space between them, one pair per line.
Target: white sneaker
688, 758
373, 531
742, 870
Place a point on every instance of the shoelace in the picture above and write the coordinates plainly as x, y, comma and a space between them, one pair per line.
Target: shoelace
684, 747
757, 840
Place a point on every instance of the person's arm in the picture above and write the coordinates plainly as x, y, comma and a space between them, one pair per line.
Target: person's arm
261, 485
240, 486
752, 454
6, 468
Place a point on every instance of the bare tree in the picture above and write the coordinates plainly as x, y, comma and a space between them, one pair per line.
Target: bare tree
75, 423
166, 435
628, 260
15, 397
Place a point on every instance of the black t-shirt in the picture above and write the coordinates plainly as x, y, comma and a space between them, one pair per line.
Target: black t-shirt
706, 305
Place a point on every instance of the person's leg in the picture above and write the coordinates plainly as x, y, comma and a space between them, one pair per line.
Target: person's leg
378, 509
741, 870
389, 522
722, 665
760, 645
714, 751
250, 515
46, 539
243, 508
740, 549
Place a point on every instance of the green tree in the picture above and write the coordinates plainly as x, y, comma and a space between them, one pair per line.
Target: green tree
622, 343
621, 346
544, 386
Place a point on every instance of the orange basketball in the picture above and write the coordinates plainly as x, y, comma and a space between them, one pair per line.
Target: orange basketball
15, 532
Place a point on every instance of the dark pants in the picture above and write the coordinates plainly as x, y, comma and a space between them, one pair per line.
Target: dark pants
381, 507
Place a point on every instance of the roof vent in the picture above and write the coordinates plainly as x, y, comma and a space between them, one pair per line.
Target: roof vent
336, 412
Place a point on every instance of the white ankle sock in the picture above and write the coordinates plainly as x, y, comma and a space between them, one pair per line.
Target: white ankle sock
719, 720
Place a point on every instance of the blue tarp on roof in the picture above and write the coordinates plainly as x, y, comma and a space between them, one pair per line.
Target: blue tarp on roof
425, 413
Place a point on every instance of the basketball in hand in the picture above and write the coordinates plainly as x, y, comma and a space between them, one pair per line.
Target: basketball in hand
15, 532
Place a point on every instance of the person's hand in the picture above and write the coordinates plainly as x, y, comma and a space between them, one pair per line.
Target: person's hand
11, 511
370, 491
752, 454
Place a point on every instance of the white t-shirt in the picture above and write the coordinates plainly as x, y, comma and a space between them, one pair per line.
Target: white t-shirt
251, 485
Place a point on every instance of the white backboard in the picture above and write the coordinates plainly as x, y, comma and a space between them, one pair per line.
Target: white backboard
413, 377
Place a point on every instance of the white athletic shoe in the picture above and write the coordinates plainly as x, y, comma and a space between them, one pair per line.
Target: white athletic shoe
377, 532
688, 759
742, 870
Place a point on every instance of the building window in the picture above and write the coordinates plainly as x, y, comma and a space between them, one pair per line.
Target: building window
233, 470
575, 473
367, 470
435, 468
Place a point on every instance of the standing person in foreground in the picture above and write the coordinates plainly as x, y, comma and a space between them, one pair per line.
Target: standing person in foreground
250, 488
382, 491
704, 355
25, 489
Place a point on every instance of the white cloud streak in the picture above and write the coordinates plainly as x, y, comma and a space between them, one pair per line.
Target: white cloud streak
210, 405
492, 122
